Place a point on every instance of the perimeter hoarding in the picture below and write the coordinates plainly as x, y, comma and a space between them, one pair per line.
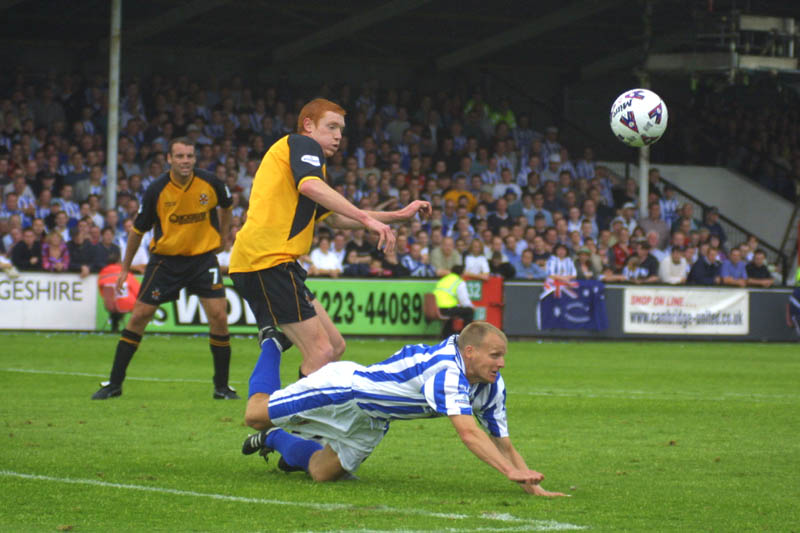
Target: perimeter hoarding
662, 310
357, 307
48, 301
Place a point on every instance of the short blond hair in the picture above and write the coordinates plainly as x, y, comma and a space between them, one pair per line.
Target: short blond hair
475, 333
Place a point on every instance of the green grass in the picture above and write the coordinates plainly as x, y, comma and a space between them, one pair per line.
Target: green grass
645, 436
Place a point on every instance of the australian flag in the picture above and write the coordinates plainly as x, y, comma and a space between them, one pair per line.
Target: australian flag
573, 305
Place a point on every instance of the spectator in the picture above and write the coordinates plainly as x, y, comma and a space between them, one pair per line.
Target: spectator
654, 222
715, 242
540, 252
758, 273
55, 256
669, 205
656, 251
25, 197
94, 185
711, 222
339, 246
673, 269
475, 263
560, 266
647, 262
686, 214
68, 205
324, 262
505, 184
705, 270
78, 171
622, 249
526, 267
445, 257
26, 254
538, 208
551, 173
362, 249
11, 236
585, 268
633, 270
105, 248
391, 265
628, 216
585, 167
11, 208
82, 254
416, 263
500, 267
734, 271
458, 191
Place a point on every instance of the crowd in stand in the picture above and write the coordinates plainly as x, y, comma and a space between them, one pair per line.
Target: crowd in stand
509, 197
751, 128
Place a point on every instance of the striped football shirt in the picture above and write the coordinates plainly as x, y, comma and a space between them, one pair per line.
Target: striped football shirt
421, 381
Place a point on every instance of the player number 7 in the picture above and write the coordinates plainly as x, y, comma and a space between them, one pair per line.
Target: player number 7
215, 272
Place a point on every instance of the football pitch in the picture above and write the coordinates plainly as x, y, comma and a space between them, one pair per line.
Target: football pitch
644, 436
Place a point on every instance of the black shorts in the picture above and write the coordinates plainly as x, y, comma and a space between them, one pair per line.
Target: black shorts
166, 275
276, 295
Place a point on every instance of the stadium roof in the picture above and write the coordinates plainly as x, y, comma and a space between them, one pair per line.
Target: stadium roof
587, 37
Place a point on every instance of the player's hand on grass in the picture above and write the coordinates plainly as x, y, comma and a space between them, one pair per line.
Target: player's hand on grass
417, 206
525, 476
386, 236
537, 490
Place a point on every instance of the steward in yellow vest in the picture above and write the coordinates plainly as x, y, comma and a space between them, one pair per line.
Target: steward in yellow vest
453, 301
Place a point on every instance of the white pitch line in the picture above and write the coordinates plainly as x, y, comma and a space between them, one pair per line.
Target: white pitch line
532, 525
85, 374
557, 526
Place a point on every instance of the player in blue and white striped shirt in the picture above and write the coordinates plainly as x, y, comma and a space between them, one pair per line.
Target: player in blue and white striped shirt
351, 406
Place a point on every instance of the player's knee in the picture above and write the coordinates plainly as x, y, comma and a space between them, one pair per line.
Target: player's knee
219, 321
255, 420
256, 414
319, 477
139, 319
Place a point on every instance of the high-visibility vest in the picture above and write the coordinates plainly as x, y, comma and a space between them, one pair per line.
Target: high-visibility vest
446, 291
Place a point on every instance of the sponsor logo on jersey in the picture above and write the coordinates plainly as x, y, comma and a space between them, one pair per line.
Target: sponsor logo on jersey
311, 160
191, 218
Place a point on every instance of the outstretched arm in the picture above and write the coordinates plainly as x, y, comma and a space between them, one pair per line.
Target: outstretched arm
505, 447
324, 195
387, 217
481, 445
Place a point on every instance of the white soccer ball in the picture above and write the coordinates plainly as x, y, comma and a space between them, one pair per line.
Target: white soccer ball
639, 117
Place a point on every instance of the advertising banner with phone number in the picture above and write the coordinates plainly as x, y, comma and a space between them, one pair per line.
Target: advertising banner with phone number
356, 306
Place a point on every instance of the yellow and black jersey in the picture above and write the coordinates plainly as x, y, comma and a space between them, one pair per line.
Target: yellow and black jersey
280, 220
184, 218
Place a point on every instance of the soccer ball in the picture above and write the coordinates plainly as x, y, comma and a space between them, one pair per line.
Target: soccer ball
639, 117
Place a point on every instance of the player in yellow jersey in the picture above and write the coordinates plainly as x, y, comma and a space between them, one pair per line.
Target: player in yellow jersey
289, 195
188, 210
